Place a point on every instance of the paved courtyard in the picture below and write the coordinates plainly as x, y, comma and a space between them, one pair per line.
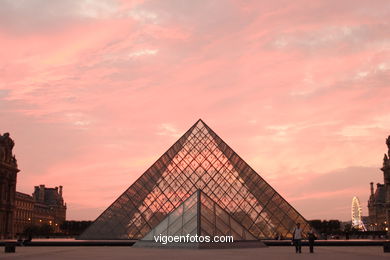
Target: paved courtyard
101, 253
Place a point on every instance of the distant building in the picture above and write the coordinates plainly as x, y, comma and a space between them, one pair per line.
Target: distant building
379, 201
45, 207
24, 212
49, 207
8, 174
377, 207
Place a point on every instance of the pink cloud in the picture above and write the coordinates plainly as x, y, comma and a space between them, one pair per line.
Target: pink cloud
93, 98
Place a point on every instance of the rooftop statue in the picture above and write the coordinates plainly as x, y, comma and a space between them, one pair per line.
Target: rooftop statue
385, 160
6, 146
388, 144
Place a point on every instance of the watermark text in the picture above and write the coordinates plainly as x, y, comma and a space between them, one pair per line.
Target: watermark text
165, 239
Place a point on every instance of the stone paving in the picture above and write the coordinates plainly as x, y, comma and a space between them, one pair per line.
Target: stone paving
102, 253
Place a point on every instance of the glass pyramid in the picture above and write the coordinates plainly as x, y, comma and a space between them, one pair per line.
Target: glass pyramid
200, 215
200, 159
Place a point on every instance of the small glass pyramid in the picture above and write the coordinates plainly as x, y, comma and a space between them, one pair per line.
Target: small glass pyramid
200, 215
199, 160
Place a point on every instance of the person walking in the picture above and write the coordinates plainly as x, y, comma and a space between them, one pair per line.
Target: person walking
311, 237
297, 238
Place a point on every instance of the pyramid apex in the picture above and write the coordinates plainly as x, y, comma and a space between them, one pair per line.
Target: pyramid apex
199, 122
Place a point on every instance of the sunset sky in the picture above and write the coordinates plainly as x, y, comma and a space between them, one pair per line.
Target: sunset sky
94, 91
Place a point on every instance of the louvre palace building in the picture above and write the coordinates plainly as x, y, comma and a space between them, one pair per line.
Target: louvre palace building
19, 210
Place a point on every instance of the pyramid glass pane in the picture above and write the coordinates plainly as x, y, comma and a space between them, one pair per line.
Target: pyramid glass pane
200, 159
215, 221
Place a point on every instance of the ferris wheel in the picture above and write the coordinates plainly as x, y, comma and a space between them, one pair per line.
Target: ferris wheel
356, 213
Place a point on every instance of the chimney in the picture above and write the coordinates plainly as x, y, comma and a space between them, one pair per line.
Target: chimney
60, 191
36, 193
41, 193
372, 188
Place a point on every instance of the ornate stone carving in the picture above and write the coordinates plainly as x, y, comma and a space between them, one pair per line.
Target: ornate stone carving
6, 146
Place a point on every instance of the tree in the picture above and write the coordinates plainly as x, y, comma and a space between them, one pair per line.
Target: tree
74, 228
35, 230
325, 226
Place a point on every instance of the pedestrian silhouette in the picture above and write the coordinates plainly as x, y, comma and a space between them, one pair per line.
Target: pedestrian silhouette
297, 238
311, 237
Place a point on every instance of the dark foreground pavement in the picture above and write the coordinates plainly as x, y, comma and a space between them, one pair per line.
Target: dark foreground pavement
270, 253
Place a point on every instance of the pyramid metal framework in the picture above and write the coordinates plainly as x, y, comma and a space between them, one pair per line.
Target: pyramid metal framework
200, 215
199, 160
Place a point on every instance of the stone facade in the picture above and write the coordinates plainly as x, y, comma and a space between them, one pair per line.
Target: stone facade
379, 201
24, 212
8, 174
